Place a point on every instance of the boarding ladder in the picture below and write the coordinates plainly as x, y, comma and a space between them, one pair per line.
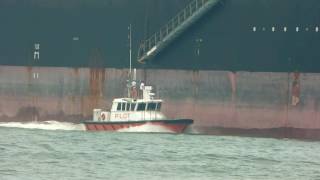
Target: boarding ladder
175, 27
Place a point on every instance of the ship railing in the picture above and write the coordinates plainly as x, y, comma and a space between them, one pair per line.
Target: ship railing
173, 28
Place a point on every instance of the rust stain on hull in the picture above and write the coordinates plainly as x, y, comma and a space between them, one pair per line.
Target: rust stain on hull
233, 81
295, 89
96, 85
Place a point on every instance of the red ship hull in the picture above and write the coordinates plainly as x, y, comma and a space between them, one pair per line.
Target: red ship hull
162, 126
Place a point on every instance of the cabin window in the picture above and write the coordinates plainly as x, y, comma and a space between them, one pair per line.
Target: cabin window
133, 106
119, 107
123, 107
128, 107
151, 106
158, 106
141, 107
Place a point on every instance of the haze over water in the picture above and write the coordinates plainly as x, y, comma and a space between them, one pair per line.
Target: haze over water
54, 150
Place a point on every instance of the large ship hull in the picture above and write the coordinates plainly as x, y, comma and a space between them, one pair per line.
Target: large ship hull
247, 67
214, 99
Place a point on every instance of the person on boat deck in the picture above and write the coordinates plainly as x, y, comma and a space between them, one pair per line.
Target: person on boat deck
134, 92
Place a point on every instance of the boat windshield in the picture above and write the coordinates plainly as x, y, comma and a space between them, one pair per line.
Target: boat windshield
128, 107
151, 106
119, 107
141, 107
158, 106
123, 106
133, 106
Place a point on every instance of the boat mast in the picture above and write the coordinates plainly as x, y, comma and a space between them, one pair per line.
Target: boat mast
129, 85
130, 51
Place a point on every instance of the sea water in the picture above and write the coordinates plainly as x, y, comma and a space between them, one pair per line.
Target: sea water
54, 150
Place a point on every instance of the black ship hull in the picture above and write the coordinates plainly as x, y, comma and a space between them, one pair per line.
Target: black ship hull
246, 65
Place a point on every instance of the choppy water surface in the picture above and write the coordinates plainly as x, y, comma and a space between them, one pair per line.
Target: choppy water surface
55, 150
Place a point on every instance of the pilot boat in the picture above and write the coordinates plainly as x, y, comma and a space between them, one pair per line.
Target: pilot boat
140, 112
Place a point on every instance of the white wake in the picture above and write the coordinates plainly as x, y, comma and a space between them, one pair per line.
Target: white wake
45, 125
147, 128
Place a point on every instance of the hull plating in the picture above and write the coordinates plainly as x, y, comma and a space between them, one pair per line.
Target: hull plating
214, 99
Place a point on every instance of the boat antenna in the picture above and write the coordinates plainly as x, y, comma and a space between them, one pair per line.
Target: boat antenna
130, 77
130, 51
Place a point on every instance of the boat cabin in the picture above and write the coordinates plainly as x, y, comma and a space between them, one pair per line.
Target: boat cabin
128, 104
132, 109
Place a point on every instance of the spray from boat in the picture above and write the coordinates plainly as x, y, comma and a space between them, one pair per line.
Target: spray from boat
45, 125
